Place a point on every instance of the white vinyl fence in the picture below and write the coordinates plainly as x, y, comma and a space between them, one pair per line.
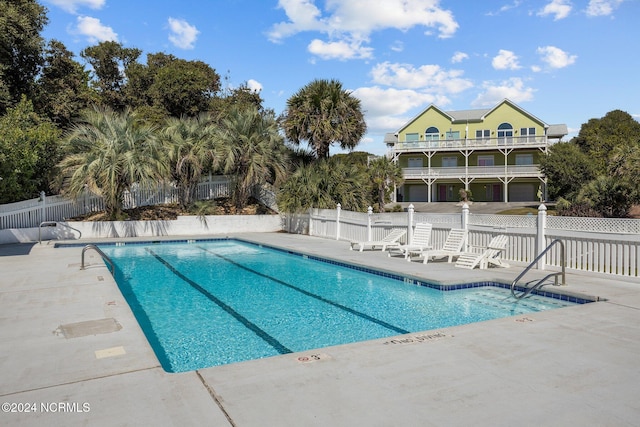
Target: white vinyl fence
603, 245
31, 213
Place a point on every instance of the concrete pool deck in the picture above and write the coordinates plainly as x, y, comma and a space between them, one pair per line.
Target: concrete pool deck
72, 353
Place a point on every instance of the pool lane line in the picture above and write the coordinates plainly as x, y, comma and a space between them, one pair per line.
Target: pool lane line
280, 348
312, 295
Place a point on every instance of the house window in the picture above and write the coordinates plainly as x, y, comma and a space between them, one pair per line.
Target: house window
431, 134
483, 134
415, 162
453, 134
485, 160
530, 133
524, 159
505, 133
449, 162
412, 137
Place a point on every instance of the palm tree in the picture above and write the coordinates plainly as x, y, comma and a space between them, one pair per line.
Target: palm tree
109, 152
322, 113
385, 174
323, 185
251, 149
190, 149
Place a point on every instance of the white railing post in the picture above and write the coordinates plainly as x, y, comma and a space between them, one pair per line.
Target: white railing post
540, 235
43, 207
410, 211
310, 221
369, 214
338, 209
465, 223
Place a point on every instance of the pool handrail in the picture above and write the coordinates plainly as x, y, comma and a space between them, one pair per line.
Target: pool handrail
56, 223
102, 254
542, 281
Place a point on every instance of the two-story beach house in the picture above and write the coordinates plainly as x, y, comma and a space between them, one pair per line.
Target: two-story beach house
493, 152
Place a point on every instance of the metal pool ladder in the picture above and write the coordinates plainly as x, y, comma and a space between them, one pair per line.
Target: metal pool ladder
102, 254
56, 223
540, 283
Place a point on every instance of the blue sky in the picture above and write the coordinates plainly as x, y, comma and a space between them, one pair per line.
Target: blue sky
563, 61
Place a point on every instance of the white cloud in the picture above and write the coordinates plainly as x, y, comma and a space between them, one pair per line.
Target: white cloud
72, 6
555, 57
386, 108
505, 60
254, 85
602, 7
427, 78
344, 21
459, 57
505, 8
560, 9
94, 30
514, 89
408, 88
397, 46
183, 34
339, 50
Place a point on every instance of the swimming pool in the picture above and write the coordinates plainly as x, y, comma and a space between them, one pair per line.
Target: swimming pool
208, 303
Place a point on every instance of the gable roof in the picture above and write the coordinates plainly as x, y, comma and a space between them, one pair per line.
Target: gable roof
478, 115
517, 107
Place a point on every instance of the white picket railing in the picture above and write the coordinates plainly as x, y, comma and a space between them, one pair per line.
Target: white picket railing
601, 245
31, 213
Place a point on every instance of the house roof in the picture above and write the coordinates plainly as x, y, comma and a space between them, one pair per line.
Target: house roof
468, 115
557, 131
478, 115
390, 138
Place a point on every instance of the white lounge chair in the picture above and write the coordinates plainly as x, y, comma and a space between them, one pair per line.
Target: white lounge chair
421, 242
452, 246
391, 239
489, 256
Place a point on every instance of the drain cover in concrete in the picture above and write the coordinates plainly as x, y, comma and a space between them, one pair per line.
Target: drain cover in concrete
90, 327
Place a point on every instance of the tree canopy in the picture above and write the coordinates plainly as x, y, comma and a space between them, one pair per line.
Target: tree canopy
323, 113
21, 46
28, 150
597, 170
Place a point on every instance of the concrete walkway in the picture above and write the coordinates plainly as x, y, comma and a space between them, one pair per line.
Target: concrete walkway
72, 354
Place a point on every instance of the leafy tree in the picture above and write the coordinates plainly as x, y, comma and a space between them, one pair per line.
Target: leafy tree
109, 153
171, 86
63, 87
323, 113
184, 87
190, 150
241, 96
608, 196
28, 153
385, 174
252, 150
110, 62
599, 137
323, 185
21, 45
567, 169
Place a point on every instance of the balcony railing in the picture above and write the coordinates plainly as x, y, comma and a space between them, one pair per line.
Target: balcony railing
489, 143
512, 171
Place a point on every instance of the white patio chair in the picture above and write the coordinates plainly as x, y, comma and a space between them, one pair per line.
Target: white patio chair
489, 256
391, 239
452, 247
420, 243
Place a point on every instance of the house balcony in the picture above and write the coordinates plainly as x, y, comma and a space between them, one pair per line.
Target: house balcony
479, 143
473, 172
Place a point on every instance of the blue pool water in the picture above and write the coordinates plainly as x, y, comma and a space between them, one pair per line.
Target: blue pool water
208, 303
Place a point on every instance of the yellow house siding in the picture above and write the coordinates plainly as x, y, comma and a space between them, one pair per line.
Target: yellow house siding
506, 113
430, 117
